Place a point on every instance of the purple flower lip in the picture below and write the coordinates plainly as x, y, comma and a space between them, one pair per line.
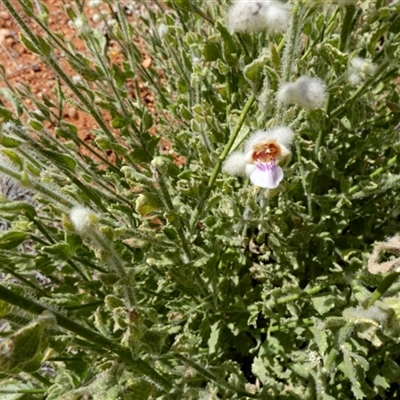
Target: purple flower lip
267, 175
266, 166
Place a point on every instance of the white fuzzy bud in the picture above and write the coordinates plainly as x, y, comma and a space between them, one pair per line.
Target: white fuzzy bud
257, 16
96, 17
235, 164
81, 25
354, 77
306, 92
94, 3
162, 30
277, 17
83, 219
362, 65
76, 79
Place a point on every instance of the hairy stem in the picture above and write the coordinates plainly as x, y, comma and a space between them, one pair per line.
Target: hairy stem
221, 159
137, 365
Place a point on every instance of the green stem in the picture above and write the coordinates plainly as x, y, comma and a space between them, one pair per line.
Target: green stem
25, 281
137, 365
170, 206
291, 324
117, 265
305, 293
221, 159
306, 186
50, 61
346, 27
64, 202
84, 306
41, 379
27, 391
331, 358
375, 173
213, 378
361, 90
291, 39
383, 287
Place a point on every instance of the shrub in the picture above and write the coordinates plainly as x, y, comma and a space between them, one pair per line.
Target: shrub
136, 267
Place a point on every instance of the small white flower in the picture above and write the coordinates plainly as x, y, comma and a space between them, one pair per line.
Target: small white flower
257, 16
363, 65
358, 69
94, 3
111, 22
262, 153
277, 17
76, 79
306, 92
83, 219
235, 164
354, 77
81, 25
96, 17
162, 30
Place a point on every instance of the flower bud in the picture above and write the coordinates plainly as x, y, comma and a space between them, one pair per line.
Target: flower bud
306, 92
83, 220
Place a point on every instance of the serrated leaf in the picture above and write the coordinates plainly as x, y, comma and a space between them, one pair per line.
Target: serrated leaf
321, 339
323, 304
61, 250
213, 339
61, 159
259, 370
146, 203
18, 207
12, 239
13, 389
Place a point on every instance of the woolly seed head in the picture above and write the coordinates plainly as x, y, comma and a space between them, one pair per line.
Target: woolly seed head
363, 65
277, 17
311, 92
256, 16
287, 93
354, 77
83, 219
281, 134
235, 164
306, 92
246, 16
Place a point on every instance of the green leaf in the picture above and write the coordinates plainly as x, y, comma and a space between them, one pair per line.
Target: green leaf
5, 113
14, 157
31, 46
61, 159
119, 121
61, 250
324, 303
146, 203
214, 336
12, 239
13, 389
18, 207
211, 51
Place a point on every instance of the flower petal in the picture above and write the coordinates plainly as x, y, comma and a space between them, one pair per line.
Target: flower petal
267, 176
